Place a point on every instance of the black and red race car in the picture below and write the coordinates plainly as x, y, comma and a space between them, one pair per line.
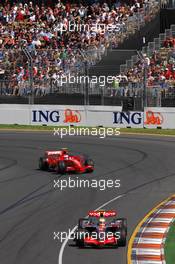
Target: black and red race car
101, 229
62, 162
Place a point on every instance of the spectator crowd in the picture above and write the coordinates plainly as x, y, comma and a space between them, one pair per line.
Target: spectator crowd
60, 37
159, 74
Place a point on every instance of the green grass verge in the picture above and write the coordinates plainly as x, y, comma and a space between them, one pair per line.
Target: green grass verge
165, 132
25, 127
168, 132
170, 246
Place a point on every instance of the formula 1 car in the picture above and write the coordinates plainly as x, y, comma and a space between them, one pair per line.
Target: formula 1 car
101, 229
62, 162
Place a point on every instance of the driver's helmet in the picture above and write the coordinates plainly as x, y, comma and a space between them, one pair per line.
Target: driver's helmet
64, 151
102, 221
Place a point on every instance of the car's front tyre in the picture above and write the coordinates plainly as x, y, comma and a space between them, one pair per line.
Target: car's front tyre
90, 163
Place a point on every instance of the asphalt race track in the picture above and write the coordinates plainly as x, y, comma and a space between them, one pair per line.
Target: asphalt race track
31, 209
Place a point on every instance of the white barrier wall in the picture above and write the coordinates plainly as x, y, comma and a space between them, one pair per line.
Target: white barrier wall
115, 118
14, 114
55, 115
109, 116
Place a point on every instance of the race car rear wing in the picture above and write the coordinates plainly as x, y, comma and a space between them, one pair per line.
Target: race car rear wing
53, 152
102, 213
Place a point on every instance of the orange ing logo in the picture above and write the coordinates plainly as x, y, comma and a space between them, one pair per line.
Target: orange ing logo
72, 116
153, 118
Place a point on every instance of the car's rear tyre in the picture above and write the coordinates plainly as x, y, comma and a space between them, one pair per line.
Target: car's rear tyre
61, 167
43, 165
124, 223
122, 239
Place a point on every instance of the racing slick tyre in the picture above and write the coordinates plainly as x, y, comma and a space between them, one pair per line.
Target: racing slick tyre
80, 235
89, 162
122, 239
61, 167
124, 224
43, 165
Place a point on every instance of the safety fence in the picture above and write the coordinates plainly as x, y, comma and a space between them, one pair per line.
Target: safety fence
135, 91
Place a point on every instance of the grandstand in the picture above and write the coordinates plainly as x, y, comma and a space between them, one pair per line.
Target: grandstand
43, 43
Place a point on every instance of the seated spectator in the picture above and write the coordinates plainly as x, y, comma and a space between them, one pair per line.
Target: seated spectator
160, 71
59, 37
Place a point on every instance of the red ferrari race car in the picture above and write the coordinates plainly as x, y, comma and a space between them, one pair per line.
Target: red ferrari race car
62, 162
101, 229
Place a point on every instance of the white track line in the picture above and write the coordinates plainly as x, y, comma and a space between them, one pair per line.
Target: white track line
60, 257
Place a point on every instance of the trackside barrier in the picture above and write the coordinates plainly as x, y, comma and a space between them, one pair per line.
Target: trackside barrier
107, 116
